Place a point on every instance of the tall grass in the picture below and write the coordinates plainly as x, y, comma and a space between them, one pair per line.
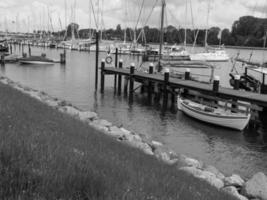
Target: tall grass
45, 154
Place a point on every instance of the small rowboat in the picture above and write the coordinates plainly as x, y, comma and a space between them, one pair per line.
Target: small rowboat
39, 60
217, 116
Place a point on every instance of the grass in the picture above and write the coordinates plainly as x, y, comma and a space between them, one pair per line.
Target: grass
45, 154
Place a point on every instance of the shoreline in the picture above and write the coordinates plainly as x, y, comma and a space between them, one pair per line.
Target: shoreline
207, 173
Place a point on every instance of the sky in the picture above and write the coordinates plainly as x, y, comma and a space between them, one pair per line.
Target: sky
53, 15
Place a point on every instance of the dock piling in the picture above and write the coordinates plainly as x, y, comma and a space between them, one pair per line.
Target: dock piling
131, 87
116, 66
102, 76
216, 83
119, 78
187, 74
29, 49
236, 82
2, 60
165, 88
150, 84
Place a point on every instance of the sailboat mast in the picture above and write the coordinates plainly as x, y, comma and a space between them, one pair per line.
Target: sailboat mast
185, 31
161, 27
206, 33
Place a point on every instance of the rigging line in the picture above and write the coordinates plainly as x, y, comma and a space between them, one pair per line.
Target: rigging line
139, 15
94, 14
150, 13
192, 16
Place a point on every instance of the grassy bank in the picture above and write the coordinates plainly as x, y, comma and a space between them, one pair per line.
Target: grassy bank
45, 154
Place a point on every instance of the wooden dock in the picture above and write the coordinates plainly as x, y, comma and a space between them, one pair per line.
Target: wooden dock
227, 93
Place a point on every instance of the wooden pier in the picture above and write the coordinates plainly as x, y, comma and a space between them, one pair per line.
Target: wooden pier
227, 93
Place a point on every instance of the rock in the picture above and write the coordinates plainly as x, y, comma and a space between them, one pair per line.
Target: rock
204, 175
233, 191
51, 102
256, 187
142, 146
165, 157
103, 122
115, 131
125, 131
35, 95
156, 143
234, 180
215, 171
190, 162
87, 115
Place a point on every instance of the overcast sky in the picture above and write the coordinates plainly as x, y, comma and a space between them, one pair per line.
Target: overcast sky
29, 15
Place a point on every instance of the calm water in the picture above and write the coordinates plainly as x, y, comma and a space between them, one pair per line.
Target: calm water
230, 151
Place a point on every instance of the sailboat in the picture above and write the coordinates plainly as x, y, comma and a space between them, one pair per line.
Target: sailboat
210, 54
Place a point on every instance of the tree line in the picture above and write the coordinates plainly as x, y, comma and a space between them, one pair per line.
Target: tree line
246, 31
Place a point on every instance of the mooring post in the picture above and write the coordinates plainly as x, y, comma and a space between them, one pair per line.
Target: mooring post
116, 66
236, 82
119, 78
173, 98
187, 74
216, 83
96, 59
102, 76
29, 48
131, 87
150, 85
10, 48
186, 77
22, 48
165, 87
236, 87
63, 57
2, 60
125, 90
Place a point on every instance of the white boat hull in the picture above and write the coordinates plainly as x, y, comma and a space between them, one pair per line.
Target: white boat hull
209, 57
36, 62
238, 121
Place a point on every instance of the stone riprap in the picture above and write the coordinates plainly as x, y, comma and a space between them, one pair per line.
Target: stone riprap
255, 188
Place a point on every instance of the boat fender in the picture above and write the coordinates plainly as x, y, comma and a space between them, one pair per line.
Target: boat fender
108, 59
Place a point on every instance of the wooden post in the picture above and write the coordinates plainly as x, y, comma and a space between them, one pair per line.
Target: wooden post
119, 78
29, 48
165, 88
96, 59
236, 87
63, 57
10, 48
186, 77
236, 82
126, 80
2, 60
102, 76
173, 98
116, 65
131, 87
150, 85
216, 83
187, 74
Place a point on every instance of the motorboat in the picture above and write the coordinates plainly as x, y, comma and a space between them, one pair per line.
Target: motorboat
214, 115
40, 60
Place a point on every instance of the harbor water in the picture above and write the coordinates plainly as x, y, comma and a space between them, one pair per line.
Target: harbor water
230, 151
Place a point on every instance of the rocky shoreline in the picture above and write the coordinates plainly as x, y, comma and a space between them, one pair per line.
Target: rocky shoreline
253, 188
